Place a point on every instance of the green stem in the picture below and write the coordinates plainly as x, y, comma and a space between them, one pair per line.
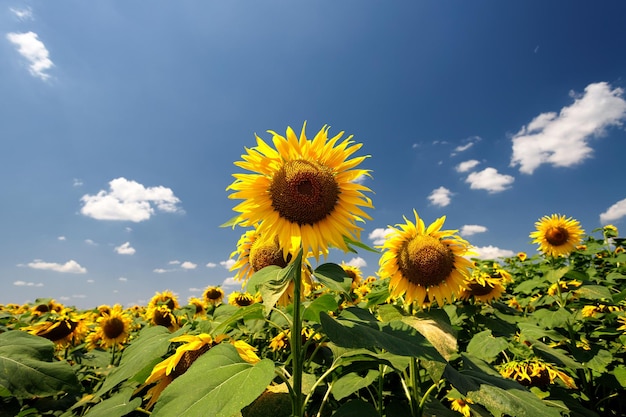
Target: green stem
296, 342
113, 354
413, 390
381, 380
425, 397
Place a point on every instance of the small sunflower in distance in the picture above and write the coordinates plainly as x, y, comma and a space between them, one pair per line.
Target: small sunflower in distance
213, 295
424, 263
304, 191
114, 327
255, 254
241, 299
557, 235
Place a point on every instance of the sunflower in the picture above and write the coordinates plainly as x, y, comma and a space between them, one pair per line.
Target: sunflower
185, 355
241, 299
461, 405
198, 304
424, 263
521, 256
304, 191
63, 330
161, 315
535, 373
213, 295
46, 306
114, 327
482, 288
557, 235
165, 298
354, 272
563, 287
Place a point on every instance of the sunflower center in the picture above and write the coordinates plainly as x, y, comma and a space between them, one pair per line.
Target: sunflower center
213, 294
556, 236
479, 289
163, 318
264, 254
113, 327
188, 358
425, 261
59, 330
243, 300
304, 192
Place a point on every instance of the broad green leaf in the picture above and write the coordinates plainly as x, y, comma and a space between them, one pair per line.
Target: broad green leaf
325, 303
552, 355
600, 361
356, 408
219, 384
395, 337
620, 374
118, 405
553, 275
142, 353
350, 383
350, 242
28, 368
527, 287
594, 292
532, 331
486, 347
252, 311
334, 277
552, 318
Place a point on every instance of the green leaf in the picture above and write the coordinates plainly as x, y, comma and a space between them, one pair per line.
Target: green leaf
142, 354
350, 242
553, 275
486, 347
118, 405
219, 383
527, 287
334, 277
594, 292
532, 331
551, 319
395, 336
28, 368
352, 382
620, 374
600, 361
325, 303
552, 355
230, 320
232, 222
356, 408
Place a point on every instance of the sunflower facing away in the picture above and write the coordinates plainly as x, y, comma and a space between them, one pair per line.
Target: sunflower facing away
303, 191
557, 235
424, 263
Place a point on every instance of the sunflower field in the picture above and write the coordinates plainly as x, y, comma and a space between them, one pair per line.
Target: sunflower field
435, 333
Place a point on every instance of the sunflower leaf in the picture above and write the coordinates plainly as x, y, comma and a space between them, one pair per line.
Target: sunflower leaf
28, 369
233, 384
334, 277
118, 405
350, 242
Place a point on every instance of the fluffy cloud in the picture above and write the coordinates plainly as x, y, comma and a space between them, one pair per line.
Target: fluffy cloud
160, 270
467, 165
357, 262
70, 267
129, 200
35, 52
563, 139
122, 279
613, 213
188, 265
228, 264
491, 252
125, 249
61, 238
211, 265
489, 179
27, 284
440, 197
377, 236
230, 282
472, 229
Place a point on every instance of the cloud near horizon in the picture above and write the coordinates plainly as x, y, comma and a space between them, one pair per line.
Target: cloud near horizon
491, 252
30, 47
489, 179
613, 213
472, 229
130, 201
562, 139
70, 267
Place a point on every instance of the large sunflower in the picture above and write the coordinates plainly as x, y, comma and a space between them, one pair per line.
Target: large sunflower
304, 191
557, 235
114, 327
424, 263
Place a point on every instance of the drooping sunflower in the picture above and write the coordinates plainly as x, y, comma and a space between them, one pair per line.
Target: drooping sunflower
66, 329
114, 327
161, 315
535, 373
424, 263
198, 304
557, 235
254, 254
303, 191
353, 272
241, 299
166, 298
213, 295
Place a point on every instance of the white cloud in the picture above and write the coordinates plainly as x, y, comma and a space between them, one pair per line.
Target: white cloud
377, 236
230, 282
465, 147
161, 270
122, 279
211, 265
467, 165
188, 265
90, 281
491, 252
357, 262
194, 289
129, 200
228, 264
27, 284
613, 213
31, 48
174, 262
563, 139
440, 197
489, 179
22, 14
90, 242
61, 238
125, 249
472, 229
70, 267
77, 182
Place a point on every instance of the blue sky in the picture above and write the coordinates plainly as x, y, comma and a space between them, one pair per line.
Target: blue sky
121, 121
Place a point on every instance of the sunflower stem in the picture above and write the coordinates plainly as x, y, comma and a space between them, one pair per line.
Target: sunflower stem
413, 389
296, 341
